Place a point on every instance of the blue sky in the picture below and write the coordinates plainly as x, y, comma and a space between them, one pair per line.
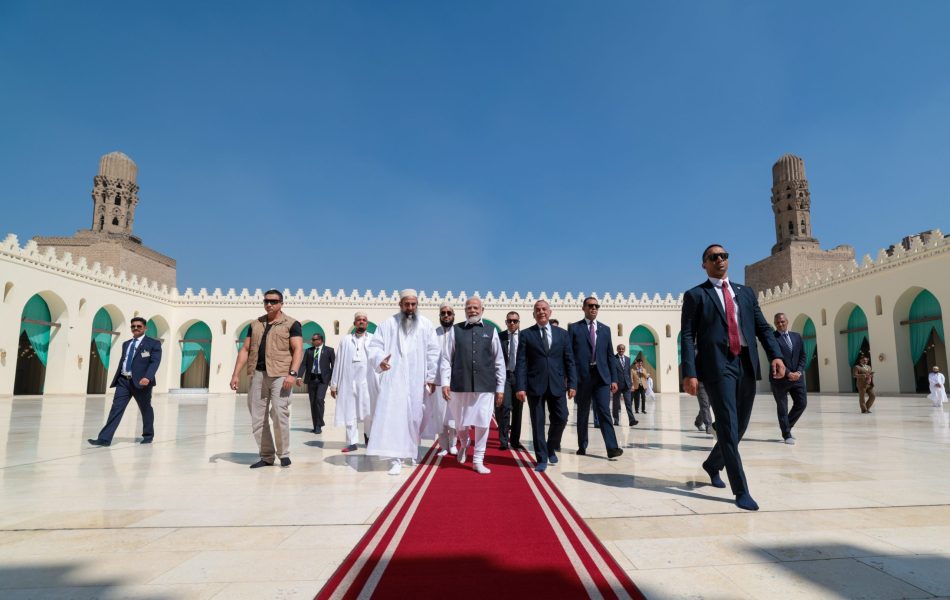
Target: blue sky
559, 146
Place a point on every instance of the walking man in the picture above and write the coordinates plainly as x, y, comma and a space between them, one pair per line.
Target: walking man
275, 348
405, 352
511, 409
720, 323
544, 373
639, 376
134, 378
473, 380
317, 371
438, 421
350, 384
596, 377
793, 357
625, 385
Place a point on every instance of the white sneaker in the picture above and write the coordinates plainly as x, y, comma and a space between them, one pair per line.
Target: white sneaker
453, 450
396, 467
442, 452
414, 463
480, 468
462, 455
790, 441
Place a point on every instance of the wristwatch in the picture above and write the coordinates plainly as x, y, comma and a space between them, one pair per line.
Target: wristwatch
293, 373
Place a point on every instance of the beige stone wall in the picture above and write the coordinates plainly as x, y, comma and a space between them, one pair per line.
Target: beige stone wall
122, 254
795, 264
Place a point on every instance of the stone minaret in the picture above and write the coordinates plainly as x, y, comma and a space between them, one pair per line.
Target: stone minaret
114, 195
791, 203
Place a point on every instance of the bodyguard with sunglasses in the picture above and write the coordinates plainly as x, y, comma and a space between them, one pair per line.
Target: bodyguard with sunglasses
134, 378
511, 410
720, 323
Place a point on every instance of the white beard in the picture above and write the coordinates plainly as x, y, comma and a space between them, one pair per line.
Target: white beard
473, 320
407, 333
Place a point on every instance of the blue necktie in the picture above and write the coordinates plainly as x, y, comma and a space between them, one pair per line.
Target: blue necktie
128, 357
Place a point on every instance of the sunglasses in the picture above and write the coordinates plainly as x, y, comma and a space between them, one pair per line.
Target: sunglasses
512, 320
596, 306
446, 313
714, 256
271, 301
138, 326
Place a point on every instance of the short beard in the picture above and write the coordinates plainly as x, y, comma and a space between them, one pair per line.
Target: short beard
473, 320
447, 321
361, 330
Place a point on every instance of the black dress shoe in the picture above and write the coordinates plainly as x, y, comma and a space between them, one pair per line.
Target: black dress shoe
98, 442
285, 461
714, 477
502, 447
261, 463
614, 452
634, 422
517, 446
617, 423
146, 441
365, 439
581, 452
318, 430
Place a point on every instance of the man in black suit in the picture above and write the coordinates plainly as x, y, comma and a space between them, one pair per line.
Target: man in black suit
720, 323
544, 370
317, 374
596, 376
793, 356
625, 387
509, 413
134, 378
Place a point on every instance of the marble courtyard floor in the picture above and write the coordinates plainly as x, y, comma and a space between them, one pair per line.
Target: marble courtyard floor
859, 508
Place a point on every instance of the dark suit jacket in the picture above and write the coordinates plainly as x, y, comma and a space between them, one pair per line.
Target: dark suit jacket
580, 345
503, 338
142, 366
623, 373
539, 372
794, 359
327, 362
704, 345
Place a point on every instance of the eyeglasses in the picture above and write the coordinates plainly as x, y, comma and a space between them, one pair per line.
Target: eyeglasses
271, 301
138, 326
714, 256
594, 306
446, 313
315, 340
512, 320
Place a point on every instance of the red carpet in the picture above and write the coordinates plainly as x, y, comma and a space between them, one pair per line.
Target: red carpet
451, 533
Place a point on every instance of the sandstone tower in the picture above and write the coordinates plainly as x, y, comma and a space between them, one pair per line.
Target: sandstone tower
110, 240
796, 252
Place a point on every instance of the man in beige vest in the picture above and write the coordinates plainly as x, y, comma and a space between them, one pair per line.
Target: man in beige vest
275, 345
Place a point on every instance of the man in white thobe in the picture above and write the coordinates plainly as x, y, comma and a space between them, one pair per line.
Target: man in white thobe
473, 380
349, 385
438, 421
938, 387
405, 352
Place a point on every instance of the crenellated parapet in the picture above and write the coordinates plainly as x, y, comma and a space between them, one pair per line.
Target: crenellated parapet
913, 248
63, 264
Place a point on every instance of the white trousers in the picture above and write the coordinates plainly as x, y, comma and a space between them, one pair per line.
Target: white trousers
353, 431
481, 441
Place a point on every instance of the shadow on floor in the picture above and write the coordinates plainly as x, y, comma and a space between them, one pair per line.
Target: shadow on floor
623, 480
325, 445
62, 580
359, 462
239, 458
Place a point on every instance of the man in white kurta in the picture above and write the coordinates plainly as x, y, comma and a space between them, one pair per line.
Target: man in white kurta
405, 352
473, 380
438, 421
938, 387
350, 383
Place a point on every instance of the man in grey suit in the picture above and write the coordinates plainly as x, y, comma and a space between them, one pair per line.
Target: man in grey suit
625, 386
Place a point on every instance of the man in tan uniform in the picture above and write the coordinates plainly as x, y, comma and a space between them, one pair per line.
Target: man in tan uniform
275, 345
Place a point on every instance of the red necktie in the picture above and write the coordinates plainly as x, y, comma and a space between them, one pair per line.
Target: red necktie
734, 346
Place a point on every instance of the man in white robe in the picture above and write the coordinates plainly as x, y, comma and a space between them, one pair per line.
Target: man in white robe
938, 387
405, 352
438, 421
473, 380
349, 385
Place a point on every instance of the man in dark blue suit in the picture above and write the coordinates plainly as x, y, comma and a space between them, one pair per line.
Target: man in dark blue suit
720, 323
134, 378
597, 376
510, 412
543, 368
793, 356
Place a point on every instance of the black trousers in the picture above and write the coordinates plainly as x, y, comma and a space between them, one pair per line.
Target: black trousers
781, 390
640, 399
557, 406
125, 391
628, 404
317, 390
592, 393
731, 399
509, 415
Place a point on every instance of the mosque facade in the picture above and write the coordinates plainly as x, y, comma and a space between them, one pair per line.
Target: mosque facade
65, 310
